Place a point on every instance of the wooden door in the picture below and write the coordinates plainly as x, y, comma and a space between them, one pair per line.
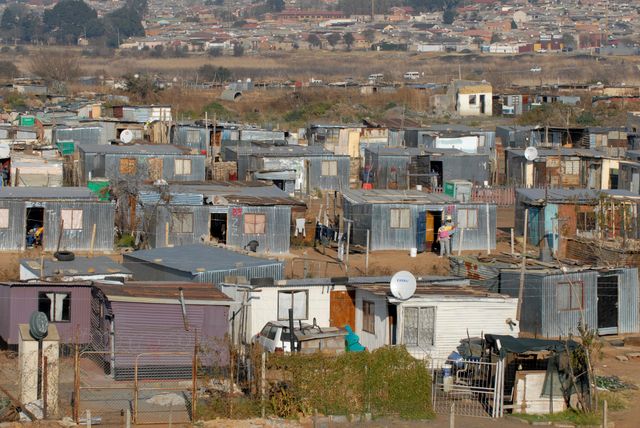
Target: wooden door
430, 232
342, 309
155, 168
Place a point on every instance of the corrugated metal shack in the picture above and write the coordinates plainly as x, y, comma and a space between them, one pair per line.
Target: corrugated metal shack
401, 220
141, 161
25, 208
192, 136
555, 301
144, 317
199, 263
403, 168
82, 134
143, 114
314, 167
227, 213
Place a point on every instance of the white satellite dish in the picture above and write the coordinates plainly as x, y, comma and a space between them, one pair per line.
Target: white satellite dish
531, 153
126, 136
5, 151
403, 285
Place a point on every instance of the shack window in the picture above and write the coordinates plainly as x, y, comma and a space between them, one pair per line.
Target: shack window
193, 136
4, 218
71, 219
296, 300
368, 317
400, 218
329, 168
254, 224
472, 99
57, 306
571, 167
183, 166
586, 221
182, 222
127, 166
468, 218
570, 295
419, 326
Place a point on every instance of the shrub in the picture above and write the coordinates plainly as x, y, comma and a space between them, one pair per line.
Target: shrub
126, 240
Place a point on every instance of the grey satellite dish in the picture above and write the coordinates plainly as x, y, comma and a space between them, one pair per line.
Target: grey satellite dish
403, 285
38, 325
531, 153
126, 136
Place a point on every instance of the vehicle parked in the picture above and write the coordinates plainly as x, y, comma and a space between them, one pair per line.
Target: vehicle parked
411, 75
275, 337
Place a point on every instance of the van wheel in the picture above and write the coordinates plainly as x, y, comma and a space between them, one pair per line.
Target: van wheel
64, 256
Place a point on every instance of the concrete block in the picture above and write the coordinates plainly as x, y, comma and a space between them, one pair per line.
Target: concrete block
621, 358
633, 355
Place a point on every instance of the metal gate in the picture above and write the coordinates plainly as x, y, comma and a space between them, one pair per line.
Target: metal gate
472, 387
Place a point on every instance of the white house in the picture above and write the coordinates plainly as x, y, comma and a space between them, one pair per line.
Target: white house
432, 322
473, 98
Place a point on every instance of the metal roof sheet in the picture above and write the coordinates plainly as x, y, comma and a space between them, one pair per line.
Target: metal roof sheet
133, 149
573, 195
80, 266
410, 197
163, 290
47, 193
198, 258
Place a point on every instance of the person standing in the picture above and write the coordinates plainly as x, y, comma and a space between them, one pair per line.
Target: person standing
444, 236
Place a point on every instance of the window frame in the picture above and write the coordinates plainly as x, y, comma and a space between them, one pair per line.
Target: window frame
292, 293
4, 218
473, 99
575, 166
433, 326
254, 223
43, 295
128, 166
466, 218
399, 224
571, 286
331, 168
73, 213
179, 215
369, 316
181, 170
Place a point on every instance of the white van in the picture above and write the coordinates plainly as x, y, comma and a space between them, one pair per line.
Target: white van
376, 77
411, 75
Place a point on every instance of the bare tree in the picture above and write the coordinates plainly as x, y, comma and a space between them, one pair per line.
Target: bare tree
58, 66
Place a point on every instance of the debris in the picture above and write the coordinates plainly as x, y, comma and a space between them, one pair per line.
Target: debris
633, 355
167, 400
613, 383
621, 358
632, 341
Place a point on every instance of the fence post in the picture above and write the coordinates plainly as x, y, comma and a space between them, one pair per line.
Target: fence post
605, 416
127, 421
460, 241
366, 258
45, 386
88, 418
452, 418
76, 385
263, 381
513, 249
135, 391
194, 375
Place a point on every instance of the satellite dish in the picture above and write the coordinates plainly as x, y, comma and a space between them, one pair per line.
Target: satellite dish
38, 325
126, 136
5, 151
403, 285
531, 153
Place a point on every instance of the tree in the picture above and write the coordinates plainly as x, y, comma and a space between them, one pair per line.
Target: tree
514, 25
495, 38
333, 39
348, 40
449, 16
214, 52
70, 19
314, 41
61, 67
275, 5
142, 86
8, 70
211, 73
370, 35
569, 41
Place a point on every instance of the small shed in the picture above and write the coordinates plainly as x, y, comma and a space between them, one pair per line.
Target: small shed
78, 269
229, 213
138, 320
68, 214
191, 136
401, 220
141, 161
66, 304
310, 168
199, 263
555, 301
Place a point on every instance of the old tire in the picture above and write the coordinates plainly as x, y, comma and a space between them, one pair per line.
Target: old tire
64, 256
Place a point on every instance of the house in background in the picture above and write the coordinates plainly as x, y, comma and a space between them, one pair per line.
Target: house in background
131, 316
199, 263
229, 213
67, 306
75, 210
466, 98
143, 162
402, 220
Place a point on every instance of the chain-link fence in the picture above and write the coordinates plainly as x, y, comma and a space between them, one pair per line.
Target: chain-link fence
9, 383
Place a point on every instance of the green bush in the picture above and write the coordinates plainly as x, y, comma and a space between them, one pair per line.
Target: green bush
385, 382
126, 240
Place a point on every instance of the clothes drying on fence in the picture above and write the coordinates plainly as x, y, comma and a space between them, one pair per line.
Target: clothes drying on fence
300, 228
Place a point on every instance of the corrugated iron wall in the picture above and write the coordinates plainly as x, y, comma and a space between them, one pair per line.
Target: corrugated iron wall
277, 234
628, 301
325, 182
275, 271
478, 238
112, 163
191, 136
80, 135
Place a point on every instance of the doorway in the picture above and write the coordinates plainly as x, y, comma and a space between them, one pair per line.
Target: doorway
608, 304
342, 309
218, 227
483, 104
34, 226
436, 168
540, 174
434, 221
392, 310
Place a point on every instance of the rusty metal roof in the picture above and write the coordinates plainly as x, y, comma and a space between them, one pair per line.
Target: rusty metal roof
163, 290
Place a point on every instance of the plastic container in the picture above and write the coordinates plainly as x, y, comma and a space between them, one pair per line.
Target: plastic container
413, 252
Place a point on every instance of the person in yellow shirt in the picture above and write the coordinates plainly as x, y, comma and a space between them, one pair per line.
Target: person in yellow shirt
445, 232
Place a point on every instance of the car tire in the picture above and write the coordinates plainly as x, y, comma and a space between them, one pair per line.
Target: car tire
64, 256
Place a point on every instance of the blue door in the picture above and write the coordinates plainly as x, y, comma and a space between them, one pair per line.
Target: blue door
421, 232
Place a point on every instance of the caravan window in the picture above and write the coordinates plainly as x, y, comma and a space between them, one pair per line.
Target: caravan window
570, 295
57, 306
400, 218
468, 218
183, 166
182, 222
71, 219
255, 224
571, 167
368, 317
4, 218
329, 168
296, 300
419, 326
